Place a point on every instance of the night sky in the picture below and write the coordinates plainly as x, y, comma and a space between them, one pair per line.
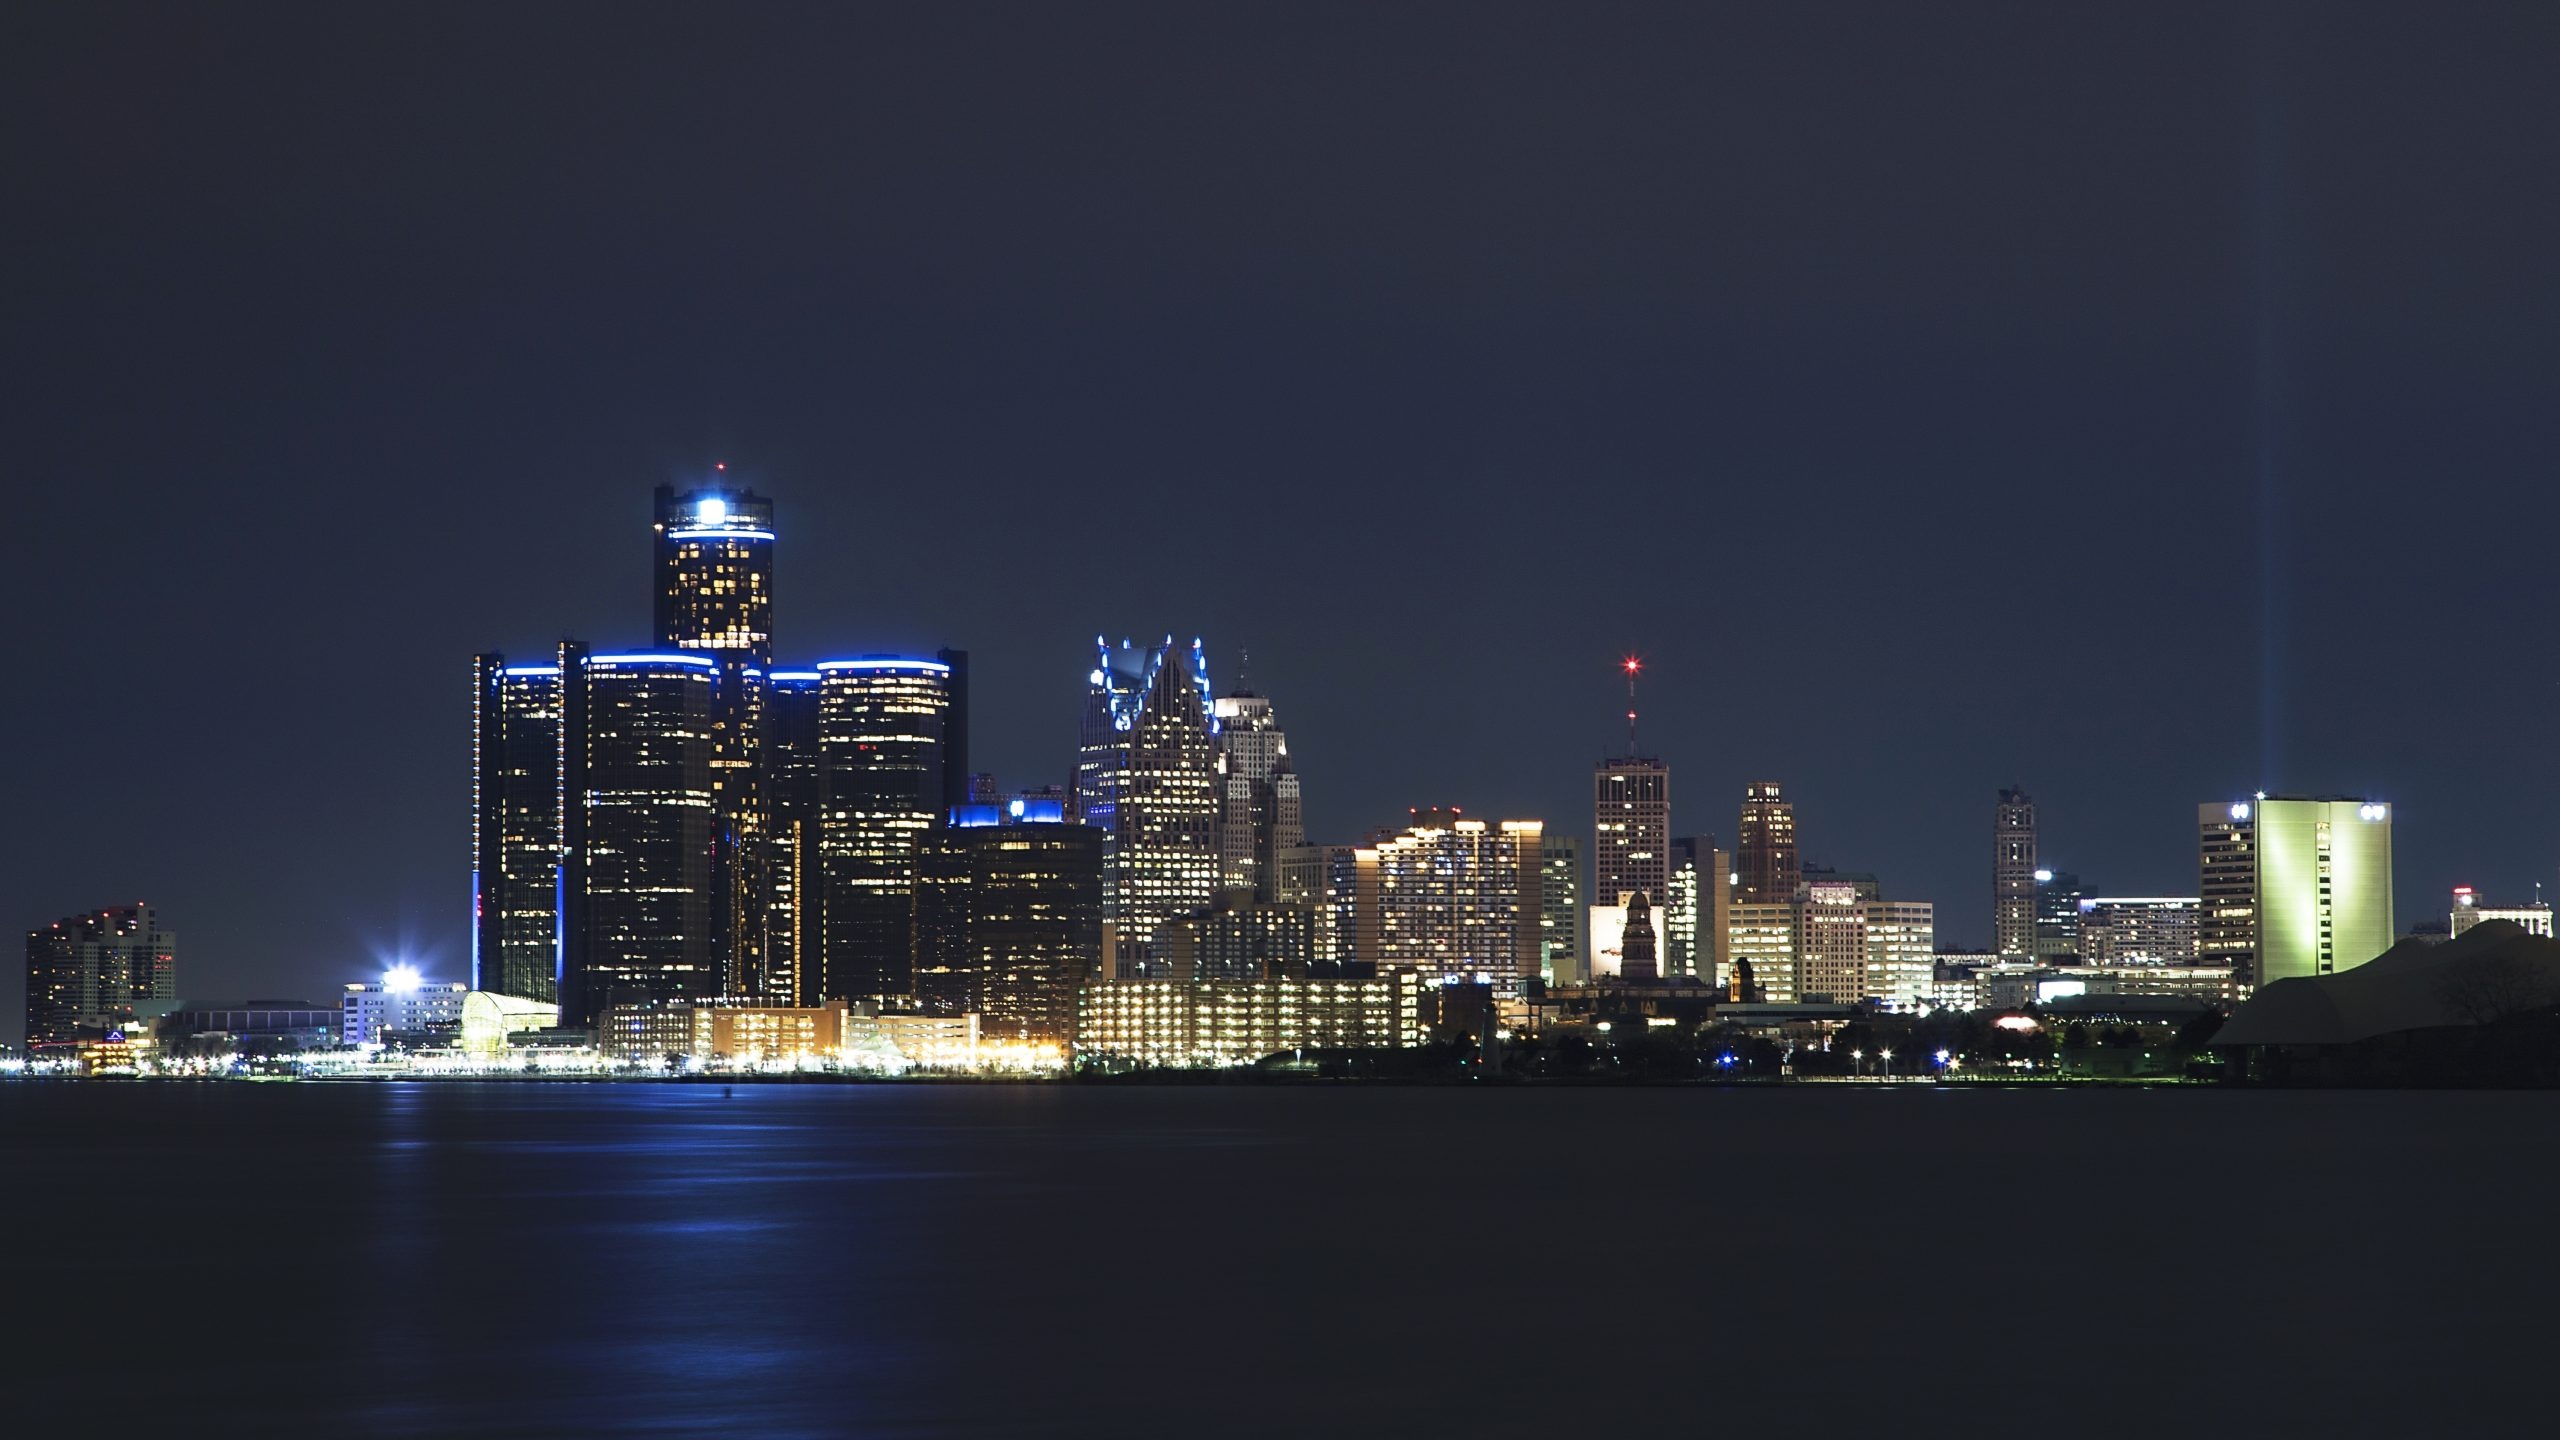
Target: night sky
2145, 404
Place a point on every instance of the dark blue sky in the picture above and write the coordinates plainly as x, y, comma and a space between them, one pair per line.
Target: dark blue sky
2144, 404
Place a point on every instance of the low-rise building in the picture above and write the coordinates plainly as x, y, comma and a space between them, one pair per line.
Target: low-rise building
402, 1009
1210, 1024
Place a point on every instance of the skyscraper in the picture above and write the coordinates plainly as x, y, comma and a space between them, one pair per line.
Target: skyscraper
637, 828
795, 792
515, 819
881, 724
1695, 909
2013, 875
99, 971
1630, 830
1326, 880
1158, 786
714, 561
1564, 926
1454, 897
2293, 886
1260, 810
1765, 848
1014, 926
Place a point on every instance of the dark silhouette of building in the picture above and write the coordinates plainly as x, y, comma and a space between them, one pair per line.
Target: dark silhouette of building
1008, 919
1765, 847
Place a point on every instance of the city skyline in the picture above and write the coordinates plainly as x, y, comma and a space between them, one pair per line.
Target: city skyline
1144, 675
2137, 357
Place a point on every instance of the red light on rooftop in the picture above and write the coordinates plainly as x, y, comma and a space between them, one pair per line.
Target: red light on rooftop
1633, 664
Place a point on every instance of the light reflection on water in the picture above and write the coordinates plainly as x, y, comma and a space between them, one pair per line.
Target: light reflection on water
562, 1259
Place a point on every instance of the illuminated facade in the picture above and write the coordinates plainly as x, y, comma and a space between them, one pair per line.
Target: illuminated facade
99, 971
714, 553
401, 1008
1763, 936
2137, 930
766, 1034
1630, 830
1326, 880
2468, 911
1764, 854
2013, 874
1836, 944
1009, 920
881, 723
1153, 773
1261, 814
795, 789
1564, 929
1240, 939
637, 829
2293, 886
515, 816
1455, 898
1186, 1024
1696, 909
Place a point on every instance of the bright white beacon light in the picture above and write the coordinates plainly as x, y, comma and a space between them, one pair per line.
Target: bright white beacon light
2240, 811
2372, 812
2044, 877
401, 979
711, 511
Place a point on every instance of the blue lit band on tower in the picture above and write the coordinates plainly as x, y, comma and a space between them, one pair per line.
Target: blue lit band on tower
515, 811
881, 726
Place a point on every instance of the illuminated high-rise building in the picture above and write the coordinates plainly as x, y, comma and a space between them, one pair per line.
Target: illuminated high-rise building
637, 828
1324, 879
1837, 944
2293, 886
2137, 930
1453, 897
1148, 774
1009, 920
515, 819
1764, 854
795, 791
98, 972
881, 726
2013, 875
714, 596
1695, 908
1564, 926
715, 571
1630, 830
2058, 897
1260, 810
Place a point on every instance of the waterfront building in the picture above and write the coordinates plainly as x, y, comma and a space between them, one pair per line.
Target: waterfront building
2293, 886
1765, 864
714, 597
2137, 930
401, 1009
1261, 810
1326, 880
492, 1024
1564, 927
515, 826
2468, 911
881, 725
645, 1031
766, 1034
1009, 919
638, 827
2013, 874
97, 972
1186, 1024
1456, 898
256, 1027
794, 876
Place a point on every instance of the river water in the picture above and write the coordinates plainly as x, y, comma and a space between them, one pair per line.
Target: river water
786, 1260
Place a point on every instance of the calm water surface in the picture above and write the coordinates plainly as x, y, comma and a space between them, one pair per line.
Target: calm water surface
547, 1260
